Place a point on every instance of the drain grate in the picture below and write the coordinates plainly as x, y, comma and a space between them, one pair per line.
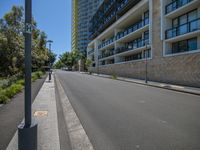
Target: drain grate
40, 113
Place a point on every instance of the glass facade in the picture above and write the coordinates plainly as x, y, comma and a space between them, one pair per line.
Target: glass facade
184, 46
175, 4
183, 24
84, 10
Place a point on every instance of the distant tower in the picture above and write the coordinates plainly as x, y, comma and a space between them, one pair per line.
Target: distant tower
74, 34
82, 11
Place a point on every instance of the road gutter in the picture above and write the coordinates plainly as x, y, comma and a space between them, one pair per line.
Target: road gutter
78, 137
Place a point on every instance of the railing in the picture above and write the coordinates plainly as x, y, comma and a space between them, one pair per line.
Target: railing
107, 42
104, 55
91, 51
183, 29
132, 28
175, 5
132, 46
100, 21
122, 4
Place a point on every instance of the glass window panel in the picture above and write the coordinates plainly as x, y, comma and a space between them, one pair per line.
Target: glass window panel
183, 19
175, 22
192, 15
192, 44
183, 46
183, 29
175, 47
134, 44
194, 25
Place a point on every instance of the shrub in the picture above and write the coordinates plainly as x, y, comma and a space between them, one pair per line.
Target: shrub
13, 89
36, 75
4, 83
22, 82
114, 77
3, 98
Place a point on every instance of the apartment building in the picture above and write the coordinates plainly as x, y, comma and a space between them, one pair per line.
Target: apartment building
82, 11
160, 37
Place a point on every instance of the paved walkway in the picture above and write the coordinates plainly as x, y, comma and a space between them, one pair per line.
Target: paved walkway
45, 114
12, 113
185, 89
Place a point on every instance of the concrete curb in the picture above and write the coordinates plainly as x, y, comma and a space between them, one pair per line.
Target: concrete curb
167, 87
78, 137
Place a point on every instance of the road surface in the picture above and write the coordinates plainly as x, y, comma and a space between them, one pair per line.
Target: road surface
117, 115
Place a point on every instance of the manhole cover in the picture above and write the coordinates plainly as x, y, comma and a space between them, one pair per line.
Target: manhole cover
40, 113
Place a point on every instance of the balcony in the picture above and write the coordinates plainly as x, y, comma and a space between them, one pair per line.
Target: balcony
107, 14
132, 46
107, 42
175, 5
90, 52
106, 54
188, 27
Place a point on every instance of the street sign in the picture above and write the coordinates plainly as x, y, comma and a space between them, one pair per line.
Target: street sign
28, 28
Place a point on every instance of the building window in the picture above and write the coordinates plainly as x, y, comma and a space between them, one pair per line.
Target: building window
184, 24
184, 46
133, 57
147, 53
146, 17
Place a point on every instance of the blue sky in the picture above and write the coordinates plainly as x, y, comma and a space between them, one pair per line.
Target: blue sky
52, 16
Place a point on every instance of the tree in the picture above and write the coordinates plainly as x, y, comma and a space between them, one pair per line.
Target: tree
12, 44
88, 63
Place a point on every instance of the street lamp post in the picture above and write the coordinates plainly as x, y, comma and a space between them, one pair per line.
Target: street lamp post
49, 41
27, 131
146, 78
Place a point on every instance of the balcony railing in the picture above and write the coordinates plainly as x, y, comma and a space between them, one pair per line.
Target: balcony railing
175, 5
108, 13
107, 42
91, 51
132, 46
183, 29
104, 55
132, 28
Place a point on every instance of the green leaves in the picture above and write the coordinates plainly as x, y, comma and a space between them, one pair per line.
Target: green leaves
12, 44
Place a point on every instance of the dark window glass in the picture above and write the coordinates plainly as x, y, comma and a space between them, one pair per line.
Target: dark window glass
183, 46
175, 48
175, 22
192, 44
192, 15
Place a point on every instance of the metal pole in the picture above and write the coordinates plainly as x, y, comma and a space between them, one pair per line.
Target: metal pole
146, 80
27, 132
49, 41
28, 65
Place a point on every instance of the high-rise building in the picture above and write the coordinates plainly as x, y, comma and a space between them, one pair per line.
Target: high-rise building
157, 39
74, 34
82, 11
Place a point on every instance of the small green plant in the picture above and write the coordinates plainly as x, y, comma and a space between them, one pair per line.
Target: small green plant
22, 82
13, 90
114, 77
3, 98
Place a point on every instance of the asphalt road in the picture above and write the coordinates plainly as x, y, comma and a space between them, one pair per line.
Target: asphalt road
125, 116
12, 114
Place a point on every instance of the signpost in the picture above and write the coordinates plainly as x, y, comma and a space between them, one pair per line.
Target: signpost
27, 131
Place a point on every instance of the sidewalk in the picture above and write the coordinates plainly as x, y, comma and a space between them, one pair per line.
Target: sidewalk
45, 114
184, 89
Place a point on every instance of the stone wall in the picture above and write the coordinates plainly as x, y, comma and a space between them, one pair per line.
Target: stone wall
181, 69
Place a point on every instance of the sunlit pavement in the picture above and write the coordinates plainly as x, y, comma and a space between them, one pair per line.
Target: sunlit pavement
120, 115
